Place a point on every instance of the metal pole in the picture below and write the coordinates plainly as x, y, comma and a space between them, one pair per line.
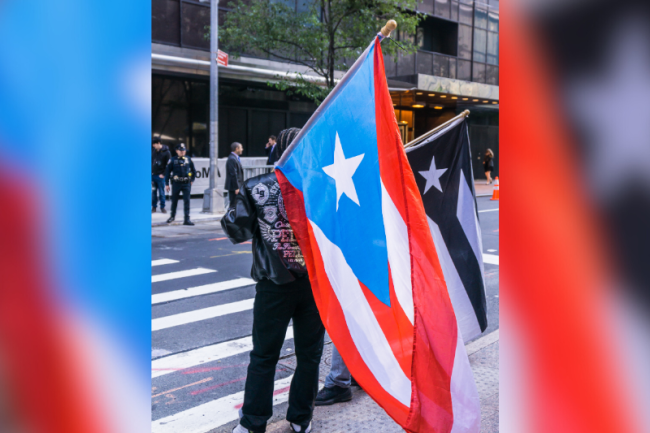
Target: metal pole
213, 200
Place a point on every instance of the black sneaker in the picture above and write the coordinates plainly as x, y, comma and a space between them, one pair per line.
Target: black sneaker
171, 219
334, 394
188, 223
354, 382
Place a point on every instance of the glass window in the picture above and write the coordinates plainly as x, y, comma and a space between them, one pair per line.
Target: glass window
454, 10
464, 42
441, 66
442, 8
452, 67
426, 6
425, 63
493, 21
480, 18
390, 66
465, 14
478, 72
494, 4
467, 2
405, 64
464, 70
166, 22
480, 45
492, 75
493, 48
194, 27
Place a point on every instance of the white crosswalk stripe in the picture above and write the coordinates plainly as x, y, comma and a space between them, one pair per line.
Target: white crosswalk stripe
201, 290
161, 262
202, 314
180, 274
491, 259
215, 413
214, 352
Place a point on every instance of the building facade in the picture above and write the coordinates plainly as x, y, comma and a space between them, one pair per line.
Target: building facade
455, 68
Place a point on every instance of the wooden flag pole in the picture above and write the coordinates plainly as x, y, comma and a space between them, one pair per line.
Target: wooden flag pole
389, 27
436, 129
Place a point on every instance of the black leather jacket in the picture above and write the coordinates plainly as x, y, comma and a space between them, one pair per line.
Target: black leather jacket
259, 214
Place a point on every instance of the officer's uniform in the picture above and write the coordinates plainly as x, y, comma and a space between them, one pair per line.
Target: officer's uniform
182, 173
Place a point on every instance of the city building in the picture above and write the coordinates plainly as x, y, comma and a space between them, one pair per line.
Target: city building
455, 68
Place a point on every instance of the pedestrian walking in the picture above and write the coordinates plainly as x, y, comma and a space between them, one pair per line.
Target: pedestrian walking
181, 172
160, 157
234, 172
283, 294
270, 146
488, 165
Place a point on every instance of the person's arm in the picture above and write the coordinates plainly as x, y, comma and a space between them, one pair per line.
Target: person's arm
240, 222
168, 172
192, 171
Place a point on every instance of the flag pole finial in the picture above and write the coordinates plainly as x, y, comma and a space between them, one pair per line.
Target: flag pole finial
389, 27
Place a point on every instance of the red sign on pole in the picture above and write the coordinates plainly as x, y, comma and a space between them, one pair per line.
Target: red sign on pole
222, 58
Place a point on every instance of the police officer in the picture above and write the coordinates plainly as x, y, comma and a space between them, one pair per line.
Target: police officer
182, 173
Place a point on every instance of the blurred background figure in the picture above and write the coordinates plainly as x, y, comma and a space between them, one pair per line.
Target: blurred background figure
181, 173
234, 172
160, 157
270, 145
584, 68
488, 165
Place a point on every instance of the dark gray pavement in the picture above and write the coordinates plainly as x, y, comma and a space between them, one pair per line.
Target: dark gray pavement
202, 392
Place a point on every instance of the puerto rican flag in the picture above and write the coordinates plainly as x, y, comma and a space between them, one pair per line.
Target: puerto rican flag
354, 206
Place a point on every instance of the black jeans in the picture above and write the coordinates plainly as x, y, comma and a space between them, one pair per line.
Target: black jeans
186, 188
274, 306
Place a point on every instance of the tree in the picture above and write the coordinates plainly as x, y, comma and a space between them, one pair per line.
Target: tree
324, 35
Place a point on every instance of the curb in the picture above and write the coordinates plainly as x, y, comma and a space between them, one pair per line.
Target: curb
180, 223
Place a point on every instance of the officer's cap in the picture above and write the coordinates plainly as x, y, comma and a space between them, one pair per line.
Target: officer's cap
181, 147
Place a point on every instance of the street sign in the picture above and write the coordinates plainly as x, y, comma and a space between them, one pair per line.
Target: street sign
222, 58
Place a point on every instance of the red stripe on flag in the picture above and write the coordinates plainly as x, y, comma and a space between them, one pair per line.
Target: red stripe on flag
328, 305
435, 323
395, 325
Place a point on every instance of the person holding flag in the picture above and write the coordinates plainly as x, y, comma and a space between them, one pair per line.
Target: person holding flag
283, 293
354, 206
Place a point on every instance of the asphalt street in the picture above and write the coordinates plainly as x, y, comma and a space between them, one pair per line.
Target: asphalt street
202, 318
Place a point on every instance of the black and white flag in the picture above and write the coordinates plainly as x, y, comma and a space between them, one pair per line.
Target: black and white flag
443, 171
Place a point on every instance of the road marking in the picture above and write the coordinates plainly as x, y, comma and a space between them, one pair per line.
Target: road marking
161, 262
215, 413
488, 210
214, 352
180, 274
200, 290
482, 342
491, 259
234, 253
203, 314
217, 239
491, 251
207, 379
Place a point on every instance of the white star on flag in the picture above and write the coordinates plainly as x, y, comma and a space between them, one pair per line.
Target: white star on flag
342, 171
432, 176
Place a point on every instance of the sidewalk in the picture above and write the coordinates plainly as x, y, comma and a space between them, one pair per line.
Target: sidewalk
197, 216
362, 414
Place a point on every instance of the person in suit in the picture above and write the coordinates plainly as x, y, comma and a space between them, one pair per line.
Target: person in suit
234, 172
270, 145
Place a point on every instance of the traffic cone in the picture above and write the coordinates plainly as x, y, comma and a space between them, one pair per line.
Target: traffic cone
495, 192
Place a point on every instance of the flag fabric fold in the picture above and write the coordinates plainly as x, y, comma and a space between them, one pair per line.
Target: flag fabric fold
442, 167
355, 208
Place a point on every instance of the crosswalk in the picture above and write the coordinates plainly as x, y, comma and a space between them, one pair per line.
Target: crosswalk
198, 356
